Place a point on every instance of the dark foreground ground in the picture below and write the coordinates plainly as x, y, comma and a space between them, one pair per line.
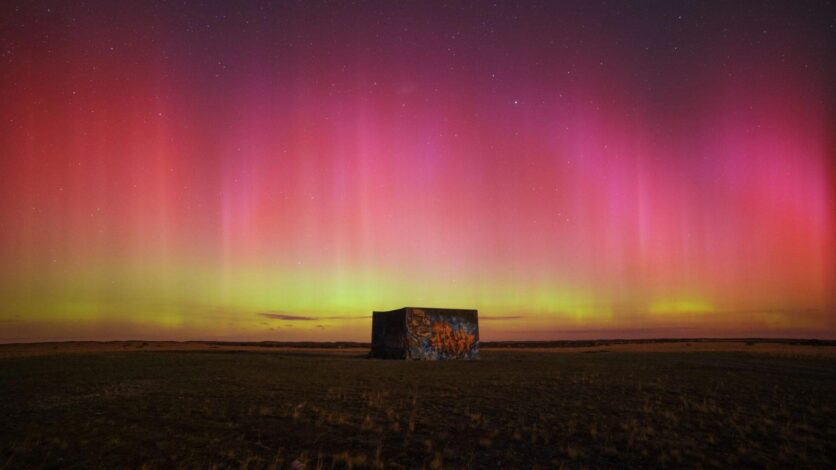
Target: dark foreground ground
335, 409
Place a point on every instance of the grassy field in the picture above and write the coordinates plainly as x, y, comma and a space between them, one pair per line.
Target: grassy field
591, 407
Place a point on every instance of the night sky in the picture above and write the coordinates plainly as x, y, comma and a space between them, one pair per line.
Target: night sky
278, 170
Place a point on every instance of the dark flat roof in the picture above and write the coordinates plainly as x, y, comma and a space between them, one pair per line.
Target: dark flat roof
428, 308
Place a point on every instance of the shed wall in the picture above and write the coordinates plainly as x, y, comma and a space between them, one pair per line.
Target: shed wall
442, 334
389, 334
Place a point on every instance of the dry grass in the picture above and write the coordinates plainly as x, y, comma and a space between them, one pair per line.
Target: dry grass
788, 348
87, 347
323, 410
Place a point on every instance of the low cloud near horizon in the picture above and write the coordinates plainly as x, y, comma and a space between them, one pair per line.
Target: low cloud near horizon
289, 317
284, 316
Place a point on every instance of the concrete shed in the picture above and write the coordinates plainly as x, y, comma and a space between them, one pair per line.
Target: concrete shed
425, 333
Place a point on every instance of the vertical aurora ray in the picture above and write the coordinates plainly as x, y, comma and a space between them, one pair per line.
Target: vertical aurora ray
569, 170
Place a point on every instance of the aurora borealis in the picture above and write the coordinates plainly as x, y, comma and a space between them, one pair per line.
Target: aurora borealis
278, 170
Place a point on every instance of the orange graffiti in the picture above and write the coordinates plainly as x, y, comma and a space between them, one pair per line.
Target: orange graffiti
450, 341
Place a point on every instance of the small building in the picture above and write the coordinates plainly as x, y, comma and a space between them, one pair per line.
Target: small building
425, 333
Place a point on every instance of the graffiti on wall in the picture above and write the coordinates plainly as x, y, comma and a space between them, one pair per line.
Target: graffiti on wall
447, 340
435, 336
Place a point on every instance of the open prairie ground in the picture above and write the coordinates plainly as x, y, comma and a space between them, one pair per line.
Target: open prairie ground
203, 405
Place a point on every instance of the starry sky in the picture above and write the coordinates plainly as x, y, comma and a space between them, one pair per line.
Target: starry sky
277, 170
